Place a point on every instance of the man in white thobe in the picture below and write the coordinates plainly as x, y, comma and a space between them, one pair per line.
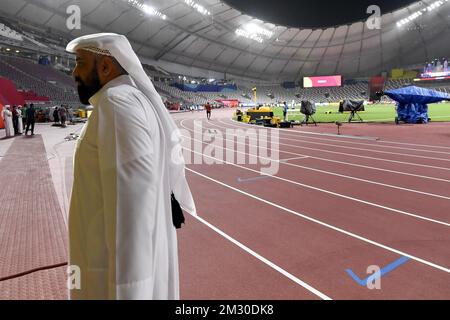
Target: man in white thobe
20, 123
7, 120
128, 160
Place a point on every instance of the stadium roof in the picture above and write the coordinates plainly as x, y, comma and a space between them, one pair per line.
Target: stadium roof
313, 14
227, 40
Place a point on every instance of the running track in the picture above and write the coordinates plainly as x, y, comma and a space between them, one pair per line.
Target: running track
335, 204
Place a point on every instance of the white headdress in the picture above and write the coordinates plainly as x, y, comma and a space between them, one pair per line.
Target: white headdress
118, 46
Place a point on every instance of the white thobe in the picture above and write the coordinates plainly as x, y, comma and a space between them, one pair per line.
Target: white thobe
20, 123
120, 223
7, 120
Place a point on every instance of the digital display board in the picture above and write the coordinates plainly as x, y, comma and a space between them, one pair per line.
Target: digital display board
432, 76
317, 82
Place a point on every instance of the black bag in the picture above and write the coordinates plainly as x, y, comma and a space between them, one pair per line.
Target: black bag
177, 213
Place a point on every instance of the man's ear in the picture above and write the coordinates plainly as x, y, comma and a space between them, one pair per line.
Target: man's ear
105, 67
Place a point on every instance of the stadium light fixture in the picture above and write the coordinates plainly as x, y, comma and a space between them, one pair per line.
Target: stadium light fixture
253, 28
152, 11
201, 9
146, 9
419, 13
254, 32
244, 33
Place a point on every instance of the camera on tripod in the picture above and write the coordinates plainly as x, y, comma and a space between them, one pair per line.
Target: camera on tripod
308, 108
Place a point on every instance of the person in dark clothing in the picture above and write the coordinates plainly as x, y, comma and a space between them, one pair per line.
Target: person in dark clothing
24, 115
31, 113
208, 109
62, 115
15, 119
56, 115
285, 110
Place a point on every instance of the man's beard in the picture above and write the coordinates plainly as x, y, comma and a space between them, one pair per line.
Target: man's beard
87, 89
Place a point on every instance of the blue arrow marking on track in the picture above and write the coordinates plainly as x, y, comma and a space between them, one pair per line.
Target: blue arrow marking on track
385, 270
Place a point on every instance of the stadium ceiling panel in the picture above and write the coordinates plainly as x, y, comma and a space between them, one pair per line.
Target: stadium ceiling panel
317, 53
200, 64
339, 36
333, 53
355, 33
177, 11
311, 41
303, 54
210, 52
13, 7
196, 48
230, 40
244, 61
308, 68
325, 37
274, 66
228, 55
184, 60
105, 14
369, 61
146, 51
350, 64
288, 34
299, 39
352, 50
371, 44
35, 13
287, 52
272, 50
327, 67
259, 64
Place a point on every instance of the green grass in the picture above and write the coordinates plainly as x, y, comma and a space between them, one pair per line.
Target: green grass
375, 113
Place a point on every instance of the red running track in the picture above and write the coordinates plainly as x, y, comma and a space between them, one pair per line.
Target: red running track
335, 204
313, 225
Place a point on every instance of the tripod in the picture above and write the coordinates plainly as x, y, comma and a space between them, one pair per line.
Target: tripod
354, 113
307, 118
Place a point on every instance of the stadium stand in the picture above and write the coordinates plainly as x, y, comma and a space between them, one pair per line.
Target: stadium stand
46, 83
42, 80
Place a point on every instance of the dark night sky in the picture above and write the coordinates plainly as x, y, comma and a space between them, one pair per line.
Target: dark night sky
313, 13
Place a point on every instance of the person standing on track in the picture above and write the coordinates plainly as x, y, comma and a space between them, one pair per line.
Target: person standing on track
208, 109
31, 119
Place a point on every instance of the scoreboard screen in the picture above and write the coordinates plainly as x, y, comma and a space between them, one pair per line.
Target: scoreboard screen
317, 82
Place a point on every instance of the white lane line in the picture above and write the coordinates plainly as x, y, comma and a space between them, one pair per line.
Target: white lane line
290, 159
263, 259
291, 133
363, 149
329, 172
354, 164
351, 154
415, 144
315, 188
353, 235
294, 133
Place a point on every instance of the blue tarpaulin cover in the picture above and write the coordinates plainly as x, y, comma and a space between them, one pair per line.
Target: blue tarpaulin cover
412, 102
